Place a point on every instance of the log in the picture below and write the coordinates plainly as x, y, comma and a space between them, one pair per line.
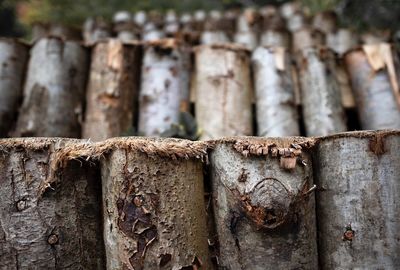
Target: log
297, 22
248, 39
325, 21
373, 72
124, 26
13, 58
212, 33
154, 205
112, 90
54, 90
358, 207
263, 202
274, 91
164, 86
305, 38
151, 32
320, 93
288, 9
223, 91
48, 224
272, 38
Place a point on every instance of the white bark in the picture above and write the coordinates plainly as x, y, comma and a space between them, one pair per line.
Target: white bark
223, 91
342, 40
264, 212
248, 39
373, 92
13, 58
275, 102
213, 37
54, 90
164, 87
305, 38
358, 207
320, 93
273, 38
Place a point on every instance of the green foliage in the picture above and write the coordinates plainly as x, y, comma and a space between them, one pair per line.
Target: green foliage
319, 5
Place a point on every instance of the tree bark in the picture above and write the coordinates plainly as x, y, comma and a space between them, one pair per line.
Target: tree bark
358, 207
325, 21
263, 203
374, 87
342, 40
164, 86
112, 90
154, 205
48, 225
306, 38
275, 101
223, 91
95, 29
248, 39
13, 58
54, 90
320, 93
274, 38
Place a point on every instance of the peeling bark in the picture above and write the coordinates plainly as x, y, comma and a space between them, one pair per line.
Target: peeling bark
164, 86
223, 91
54, 90
275, 102
263, 204
154, 216
59, 228
373, 92
357, 205
320, 93
112, 90
13, 58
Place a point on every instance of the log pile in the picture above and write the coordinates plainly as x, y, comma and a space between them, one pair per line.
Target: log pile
138, 203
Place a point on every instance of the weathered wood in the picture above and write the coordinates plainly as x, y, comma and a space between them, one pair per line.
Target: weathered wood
112, 90
54, 90
263, 204
164, 86
48, 224
154, 216
374, 88
13, 58
223, 91
320, 93
357, 205
305, 38
275, 102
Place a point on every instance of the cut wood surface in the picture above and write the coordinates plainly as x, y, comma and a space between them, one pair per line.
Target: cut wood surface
320, 93
357, 202
13, 58
43, 224
164, 86
54, 90
274, 92
154, 211
374, 79
223, 91
112, 90
264, 204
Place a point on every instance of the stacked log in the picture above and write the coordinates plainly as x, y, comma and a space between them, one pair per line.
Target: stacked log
112, 90
357, 205
13, 58
223, 91
54, 90
48, 220
264, 204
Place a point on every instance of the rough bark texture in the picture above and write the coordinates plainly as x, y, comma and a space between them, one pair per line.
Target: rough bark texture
358, 207
320, 93
305, 38
112, 90
263, 204
95, 29
373, 91
54, 90
13, 58
164, 86
248, 39
154, 216
45, 226
223, 91
275, 102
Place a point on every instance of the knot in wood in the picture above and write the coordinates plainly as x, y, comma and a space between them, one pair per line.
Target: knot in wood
52, 239
268, 203
21, 205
